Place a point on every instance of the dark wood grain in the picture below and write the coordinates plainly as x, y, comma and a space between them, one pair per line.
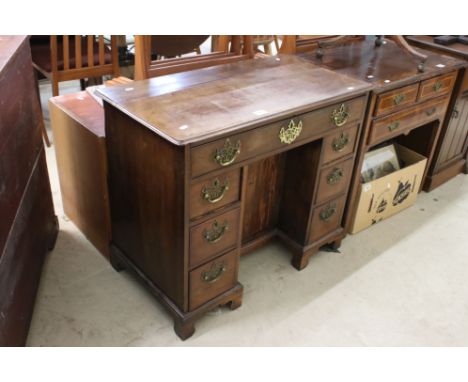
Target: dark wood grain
146, 189
28, 226
255, 96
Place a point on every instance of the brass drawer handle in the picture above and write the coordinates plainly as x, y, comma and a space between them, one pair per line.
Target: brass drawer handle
437, 86
455, 113
340, 116
214, 273
335, 176
215, 192
228, 154
431, 111
216, 232
328, 212
290, 134
399, 98
340, 143
394, 125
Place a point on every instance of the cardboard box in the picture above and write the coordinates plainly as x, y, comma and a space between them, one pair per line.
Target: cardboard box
386, 196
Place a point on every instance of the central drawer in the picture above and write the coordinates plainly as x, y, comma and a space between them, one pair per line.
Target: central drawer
236, 148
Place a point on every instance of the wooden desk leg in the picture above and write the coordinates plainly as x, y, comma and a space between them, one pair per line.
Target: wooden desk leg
184, 329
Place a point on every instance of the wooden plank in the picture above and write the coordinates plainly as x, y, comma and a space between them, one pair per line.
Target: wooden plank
90, 51
66, 52
78, 53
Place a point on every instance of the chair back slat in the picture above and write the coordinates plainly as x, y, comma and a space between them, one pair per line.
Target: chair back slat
78, 58
66, 52
90, 51
228, 49
102, 59
53, 54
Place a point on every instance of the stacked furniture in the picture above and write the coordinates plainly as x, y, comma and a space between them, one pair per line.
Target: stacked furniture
407, 106
264, 150
452, 149
28, 225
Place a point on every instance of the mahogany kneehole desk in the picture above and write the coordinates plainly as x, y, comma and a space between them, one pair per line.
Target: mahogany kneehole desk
215, 169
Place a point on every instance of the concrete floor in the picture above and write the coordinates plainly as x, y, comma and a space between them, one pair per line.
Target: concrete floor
402, 282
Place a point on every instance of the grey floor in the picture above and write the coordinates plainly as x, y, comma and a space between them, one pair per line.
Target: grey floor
403, 282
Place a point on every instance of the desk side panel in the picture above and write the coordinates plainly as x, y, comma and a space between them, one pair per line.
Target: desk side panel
146, 190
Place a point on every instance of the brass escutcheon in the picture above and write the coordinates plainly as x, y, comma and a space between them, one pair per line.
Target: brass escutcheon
340, 143
431, 111
216, 232
215, 192
290, 134
228, 154
340, 116
335, 176
214, 273
394, 125
399, 98
437, 86
328, 212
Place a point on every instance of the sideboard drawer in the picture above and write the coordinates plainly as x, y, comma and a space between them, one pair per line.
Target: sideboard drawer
395, 99
212, 279
213, 236
334, 180
210, 194
339, 144
326, 218
437, 86
236, 148
395, 124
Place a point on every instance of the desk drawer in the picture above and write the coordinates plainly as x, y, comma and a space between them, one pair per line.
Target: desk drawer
213, 236
334, 180
326, 218
339, 144
396, 99
395, 124
212, 279
213, 193
240, 147
437, 86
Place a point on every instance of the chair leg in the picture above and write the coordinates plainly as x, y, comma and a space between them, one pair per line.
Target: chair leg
55, 87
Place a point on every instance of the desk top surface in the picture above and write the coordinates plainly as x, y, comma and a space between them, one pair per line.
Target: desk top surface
428, 41
8, 46
199, 105
84, 109
385, 67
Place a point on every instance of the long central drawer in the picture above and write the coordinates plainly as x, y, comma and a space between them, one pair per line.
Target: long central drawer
236, 148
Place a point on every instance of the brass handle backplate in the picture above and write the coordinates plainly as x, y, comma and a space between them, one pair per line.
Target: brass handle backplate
290, 134
216, 232
215, 192
214, 273
431, 111
437, 86
340, 143
335, 176
340, 116
228, 153
394, 125
399, 98
328, 212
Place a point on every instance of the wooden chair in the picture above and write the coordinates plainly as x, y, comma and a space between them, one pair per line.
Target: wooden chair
227, 49
78, 57
265, 41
